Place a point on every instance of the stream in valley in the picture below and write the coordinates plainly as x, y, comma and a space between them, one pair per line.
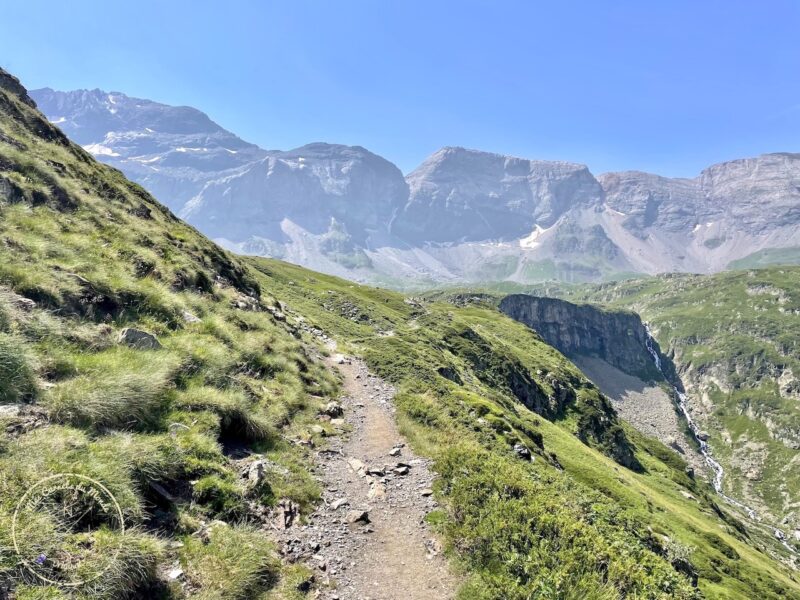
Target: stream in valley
716, 468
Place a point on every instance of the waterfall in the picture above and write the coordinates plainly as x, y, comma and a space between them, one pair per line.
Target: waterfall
705, 450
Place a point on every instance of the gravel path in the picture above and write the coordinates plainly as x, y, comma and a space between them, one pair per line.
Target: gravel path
369, 539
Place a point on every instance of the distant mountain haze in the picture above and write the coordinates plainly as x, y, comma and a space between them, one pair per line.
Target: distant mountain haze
461, 216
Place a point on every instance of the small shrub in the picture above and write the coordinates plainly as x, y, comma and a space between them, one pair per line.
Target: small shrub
237, 563
238, 418
17, 380
222, 496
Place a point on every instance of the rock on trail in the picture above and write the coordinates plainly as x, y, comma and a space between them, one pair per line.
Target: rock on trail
369, 539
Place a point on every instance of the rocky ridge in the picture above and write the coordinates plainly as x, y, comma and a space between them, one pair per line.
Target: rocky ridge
461, 216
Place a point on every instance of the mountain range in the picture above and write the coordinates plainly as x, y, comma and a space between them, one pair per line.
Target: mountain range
461, 216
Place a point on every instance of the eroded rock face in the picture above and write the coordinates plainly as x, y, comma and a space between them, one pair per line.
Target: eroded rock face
617, 337
647, 200
754, 195
467, 195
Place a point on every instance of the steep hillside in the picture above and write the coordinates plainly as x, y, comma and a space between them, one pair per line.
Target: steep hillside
735, 340
206, 432
733, 337
136, 353
461, 216
466, 377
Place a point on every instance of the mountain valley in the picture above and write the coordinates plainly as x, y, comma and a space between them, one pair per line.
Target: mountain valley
202, 387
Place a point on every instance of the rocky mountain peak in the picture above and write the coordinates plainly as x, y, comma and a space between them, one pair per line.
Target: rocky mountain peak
492, 196
172, 150
756, 192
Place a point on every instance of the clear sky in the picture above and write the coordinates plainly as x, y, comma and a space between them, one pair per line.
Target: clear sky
668, 86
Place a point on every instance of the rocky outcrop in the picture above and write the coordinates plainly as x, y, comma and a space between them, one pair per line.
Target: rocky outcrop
11, 84
141, 340
617, 337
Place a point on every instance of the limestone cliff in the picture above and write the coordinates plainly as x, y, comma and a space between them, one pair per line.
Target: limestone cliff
618, 337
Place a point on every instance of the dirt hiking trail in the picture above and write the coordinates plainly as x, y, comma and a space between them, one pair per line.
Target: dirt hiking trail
369, 540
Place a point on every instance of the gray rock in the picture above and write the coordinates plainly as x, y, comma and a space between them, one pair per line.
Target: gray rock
136, 338
333, 409
357, 516
189, 317
618, 337
522, 451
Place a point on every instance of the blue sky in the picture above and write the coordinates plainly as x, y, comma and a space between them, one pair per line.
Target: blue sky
664, 86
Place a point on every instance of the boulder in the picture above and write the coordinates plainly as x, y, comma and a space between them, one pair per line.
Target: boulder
357, 516
136, 338
522, 452
333, 409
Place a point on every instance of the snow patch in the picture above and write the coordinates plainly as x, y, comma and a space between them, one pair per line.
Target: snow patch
615, 212
530, 242
100, 150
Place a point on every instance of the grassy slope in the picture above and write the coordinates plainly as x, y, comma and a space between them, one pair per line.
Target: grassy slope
496, 505
95, 254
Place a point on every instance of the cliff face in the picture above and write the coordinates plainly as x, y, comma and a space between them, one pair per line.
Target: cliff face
617, 337
468, 195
